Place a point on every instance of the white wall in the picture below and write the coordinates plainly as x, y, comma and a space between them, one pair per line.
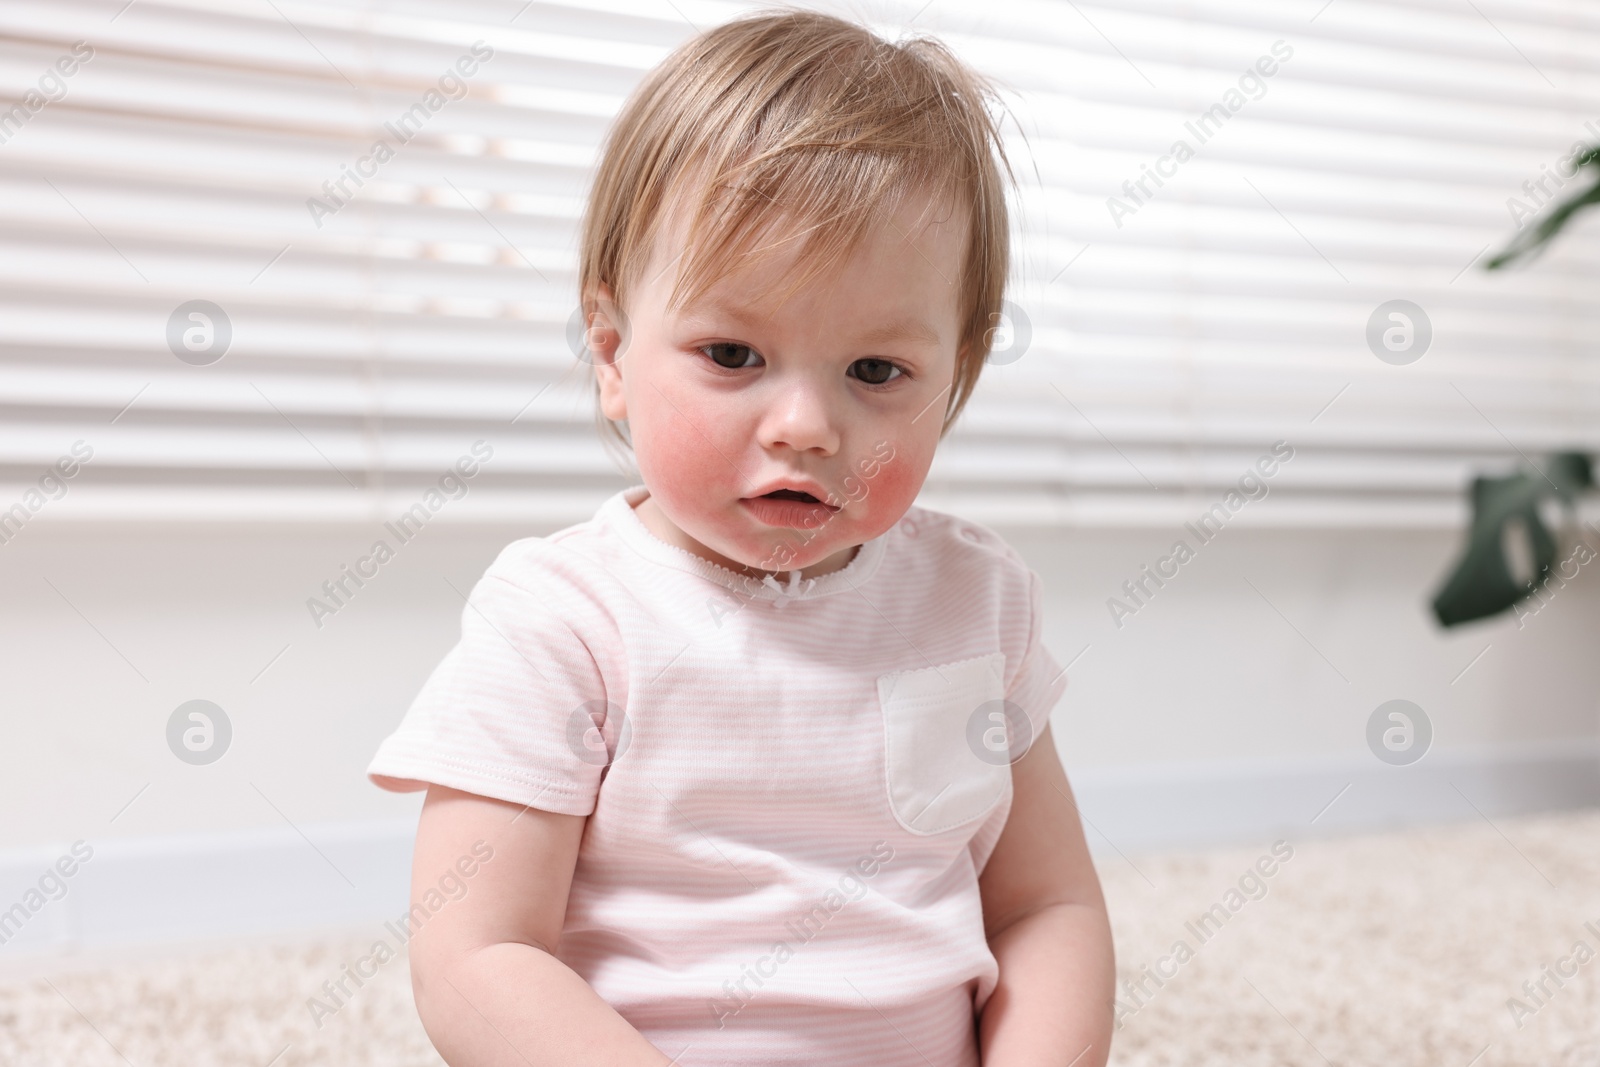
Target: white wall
1207, 672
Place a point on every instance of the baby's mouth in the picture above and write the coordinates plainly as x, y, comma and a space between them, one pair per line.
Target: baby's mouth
791, 494
789, 507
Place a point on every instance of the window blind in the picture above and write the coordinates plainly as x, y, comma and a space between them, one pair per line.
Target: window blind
281, 260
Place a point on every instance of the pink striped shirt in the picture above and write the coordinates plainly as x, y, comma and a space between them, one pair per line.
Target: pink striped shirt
791, 789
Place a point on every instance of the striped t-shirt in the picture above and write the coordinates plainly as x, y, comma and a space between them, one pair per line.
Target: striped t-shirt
791, 789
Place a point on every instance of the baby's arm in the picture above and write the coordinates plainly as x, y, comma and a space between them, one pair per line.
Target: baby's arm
487, 984
1046, 922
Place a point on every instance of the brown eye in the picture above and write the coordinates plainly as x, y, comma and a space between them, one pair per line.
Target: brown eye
728, 356
875, 371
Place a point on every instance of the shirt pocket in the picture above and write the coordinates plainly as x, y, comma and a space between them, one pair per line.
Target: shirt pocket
936, 779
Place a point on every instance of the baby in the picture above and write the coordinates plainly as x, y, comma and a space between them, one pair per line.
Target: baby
754, 767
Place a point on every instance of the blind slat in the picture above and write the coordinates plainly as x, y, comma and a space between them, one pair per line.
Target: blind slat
428, 307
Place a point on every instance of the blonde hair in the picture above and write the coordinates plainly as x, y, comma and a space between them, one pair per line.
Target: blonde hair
796, 113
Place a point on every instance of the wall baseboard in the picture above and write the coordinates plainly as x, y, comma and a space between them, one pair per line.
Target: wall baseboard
208, 887
203, 887
1212, 804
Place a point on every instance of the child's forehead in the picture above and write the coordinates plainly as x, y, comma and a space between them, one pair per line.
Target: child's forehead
766, 263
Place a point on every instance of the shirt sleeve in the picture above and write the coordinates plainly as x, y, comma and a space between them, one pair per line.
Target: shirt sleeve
1035, 687
1040, 680
516, 711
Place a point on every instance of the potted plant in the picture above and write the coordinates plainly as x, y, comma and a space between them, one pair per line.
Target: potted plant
1483, 582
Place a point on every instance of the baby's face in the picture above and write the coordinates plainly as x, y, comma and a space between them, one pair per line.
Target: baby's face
840, 390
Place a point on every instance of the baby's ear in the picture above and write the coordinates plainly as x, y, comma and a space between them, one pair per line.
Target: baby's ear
604, 342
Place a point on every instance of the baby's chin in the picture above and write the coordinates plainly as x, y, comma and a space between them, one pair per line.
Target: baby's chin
811, 556
801, 550
741, 540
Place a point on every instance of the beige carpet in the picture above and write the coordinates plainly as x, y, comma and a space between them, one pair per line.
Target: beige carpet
1397, 950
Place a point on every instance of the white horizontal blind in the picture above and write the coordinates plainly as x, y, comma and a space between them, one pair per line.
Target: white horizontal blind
381, 331
1191, 324
373, 341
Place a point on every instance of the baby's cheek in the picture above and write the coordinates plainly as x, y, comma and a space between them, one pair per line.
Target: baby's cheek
680, 464
887, 491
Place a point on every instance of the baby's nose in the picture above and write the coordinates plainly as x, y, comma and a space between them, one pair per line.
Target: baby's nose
804, 419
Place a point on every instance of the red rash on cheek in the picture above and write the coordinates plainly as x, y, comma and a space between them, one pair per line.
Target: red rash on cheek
680, 464
875, 500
